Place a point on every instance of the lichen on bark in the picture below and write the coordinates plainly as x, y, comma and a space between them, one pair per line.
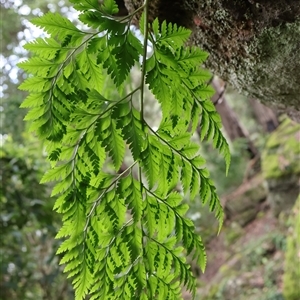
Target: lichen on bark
253, 44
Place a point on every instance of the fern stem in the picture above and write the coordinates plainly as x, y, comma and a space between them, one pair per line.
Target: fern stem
142, 85
130, 16
144, 58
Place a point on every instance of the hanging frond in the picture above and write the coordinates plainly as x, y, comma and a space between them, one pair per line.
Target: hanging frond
125, 231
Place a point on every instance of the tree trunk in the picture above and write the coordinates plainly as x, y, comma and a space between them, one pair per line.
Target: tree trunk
230, 121
253, 44
265, 116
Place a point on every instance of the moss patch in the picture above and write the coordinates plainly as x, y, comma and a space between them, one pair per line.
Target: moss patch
291, 278
281, 156
252, 44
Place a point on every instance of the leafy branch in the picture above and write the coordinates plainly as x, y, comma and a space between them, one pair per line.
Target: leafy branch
125, 236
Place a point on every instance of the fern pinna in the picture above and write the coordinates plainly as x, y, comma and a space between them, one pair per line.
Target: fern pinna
126, 234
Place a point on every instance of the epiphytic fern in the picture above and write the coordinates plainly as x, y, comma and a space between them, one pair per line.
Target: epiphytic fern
126, 234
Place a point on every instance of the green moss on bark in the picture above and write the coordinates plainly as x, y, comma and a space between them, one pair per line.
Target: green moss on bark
291, 278
255, 45
282, 152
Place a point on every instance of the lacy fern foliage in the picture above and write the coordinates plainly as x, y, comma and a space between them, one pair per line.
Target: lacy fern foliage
125, 230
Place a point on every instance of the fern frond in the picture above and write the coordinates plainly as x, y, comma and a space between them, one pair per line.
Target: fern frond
210, 128
125, 236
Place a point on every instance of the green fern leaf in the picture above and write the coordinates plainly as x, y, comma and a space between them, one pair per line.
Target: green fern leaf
57, 26
40, 67
190, 150
172, 36
35, 84
126, 55
93, 19
91, 71
110, 7
195, 184
85, 4
114, 144
33, 100
45, 48
181, 141
59, 172
151, 160
111, 65
210, 127
132, 129
129, 188
190, 57
35, 113
186, 176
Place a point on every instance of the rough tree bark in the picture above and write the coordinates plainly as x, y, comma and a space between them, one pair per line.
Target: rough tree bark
253, 44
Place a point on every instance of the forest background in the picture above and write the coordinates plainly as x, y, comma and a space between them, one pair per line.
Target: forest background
247, 260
